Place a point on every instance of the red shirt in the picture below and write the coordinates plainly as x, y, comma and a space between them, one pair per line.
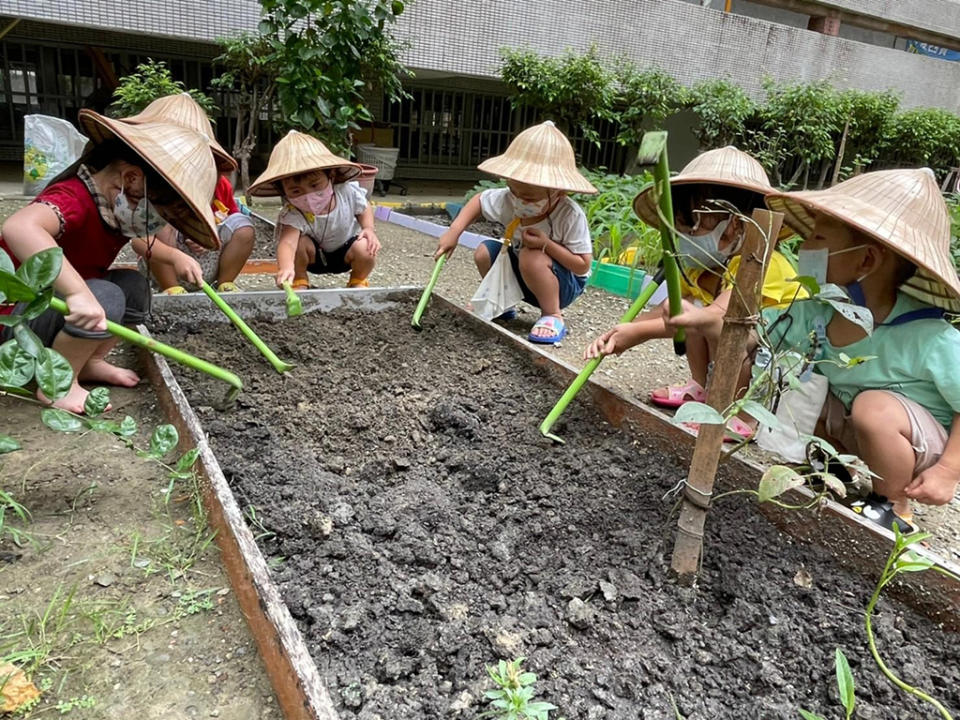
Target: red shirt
88, 243
224, 196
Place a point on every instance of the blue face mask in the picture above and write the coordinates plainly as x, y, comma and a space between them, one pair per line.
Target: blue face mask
140, 221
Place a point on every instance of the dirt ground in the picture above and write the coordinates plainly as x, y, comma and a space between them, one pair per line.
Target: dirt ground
426, 530
117, 595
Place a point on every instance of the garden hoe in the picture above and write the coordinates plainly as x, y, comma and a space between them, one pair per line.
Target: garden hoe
279, 365
294, 305
135, 338
653, 151
425, 297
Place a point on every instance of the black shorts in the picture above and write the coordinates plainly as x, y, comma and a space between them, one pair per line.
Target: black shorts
332, 262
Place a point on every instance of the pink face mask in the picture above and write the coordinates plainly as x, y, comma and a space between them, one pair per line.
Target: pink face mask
315, 203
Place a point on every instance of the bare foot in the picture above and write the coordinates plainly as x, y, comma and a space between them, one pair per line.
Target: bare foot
100, 371
72, 402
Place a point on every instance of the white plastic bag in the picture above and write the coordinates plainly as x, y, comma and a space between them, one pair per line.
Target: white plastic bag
499, 289
798, 412
50, 145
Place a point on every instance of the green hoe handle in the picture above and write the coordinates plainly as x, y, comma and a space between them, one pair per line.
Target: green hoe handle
425, 297
135, 338
661, 176
581, 379
294, 304
279, 365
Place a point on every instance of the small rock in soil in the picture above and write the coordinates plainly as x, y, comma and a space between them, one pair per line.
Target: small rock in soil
628, 584
609, 591
579, 614
105, 579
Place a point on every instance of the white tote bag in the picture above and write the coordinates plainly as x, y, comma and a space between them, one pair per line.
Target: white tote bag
798, 412
499, 289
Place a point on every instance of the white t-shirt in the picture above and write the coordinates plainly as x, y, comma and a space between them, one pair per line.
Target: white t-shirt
330, 231
566, 224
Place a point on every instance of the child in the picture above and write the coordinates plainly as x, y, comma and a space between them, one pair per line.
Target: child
885, 237
551, 248
326, 224
133, 181
708, 248
236, 230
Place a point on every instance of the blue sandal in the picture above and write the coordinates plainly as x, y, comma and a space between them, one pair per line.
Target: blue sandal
550, 322
508, 314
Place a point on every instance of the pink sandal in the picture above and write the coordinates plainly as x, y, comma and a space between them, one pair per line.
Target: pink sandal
737, 430
673, 396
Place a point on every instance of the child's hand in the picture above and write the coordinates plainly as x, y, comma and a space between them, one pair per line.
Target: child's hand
934, 486
284, 275
187, 268
612, 342
85, 311
446, 244
373, 242
690, 316
535, 239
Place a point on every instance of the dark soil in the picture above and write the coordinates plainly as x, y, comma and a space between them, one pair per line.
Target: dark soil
264, 246
427, 531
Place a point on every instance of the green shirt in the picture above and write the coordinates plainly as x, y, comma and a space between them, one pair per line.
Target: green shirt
919, 359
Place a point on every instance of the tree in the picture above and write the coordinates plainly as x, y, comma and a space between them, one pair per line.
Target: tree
723, 109
325, 54
250, 71
646, 98
151, 80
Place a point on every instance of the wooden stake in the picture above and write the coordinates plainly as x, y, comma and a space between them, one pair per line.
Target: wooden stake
721, 392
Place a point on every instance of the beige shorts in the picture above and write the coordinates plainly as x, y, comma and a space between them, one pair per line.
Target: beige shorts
927, 436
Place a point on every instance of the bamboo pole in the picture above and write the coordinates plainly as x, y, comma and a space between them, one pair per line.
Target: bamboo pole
721, 391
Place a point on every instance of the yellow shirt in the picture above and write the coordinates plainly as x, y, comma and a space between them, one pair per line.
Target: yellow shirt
778, 287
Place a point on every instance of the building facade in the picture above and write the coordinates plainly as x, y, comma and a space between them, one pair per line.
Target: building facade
61, 55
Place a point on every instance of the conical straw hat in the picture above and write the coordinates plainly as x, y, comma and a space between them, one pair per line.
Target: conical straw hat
181, 157
541, 155
903, 209
726, 166
183, 110
298, 153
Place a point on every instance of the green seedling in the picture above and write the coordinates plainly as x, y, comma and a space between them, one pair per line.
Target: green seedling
590, 367
425, 297
279, 365
294, 304
513, 698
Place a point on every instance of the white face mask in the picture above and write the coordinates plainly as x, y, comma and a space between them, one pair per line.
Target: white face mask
524, 209
813, 263
703, 251
139, 221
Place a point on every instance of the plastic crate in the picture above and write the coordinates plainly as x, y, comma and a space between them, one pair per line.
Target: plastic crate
384, 159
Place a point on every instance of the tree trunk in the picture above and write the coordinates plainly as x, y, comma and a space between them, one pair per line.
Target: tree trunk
797, 173
843, 146
824, 171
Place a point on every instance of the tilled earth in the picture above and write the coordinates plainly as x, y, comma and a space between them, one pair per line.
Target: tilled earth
426, 530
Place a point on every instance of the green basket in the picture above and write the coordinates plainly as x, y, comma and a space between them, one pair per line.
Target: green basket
617, 279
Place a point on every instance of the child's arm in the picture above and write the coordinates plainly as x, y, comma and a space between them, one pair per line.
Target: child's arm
34, 228
286, 252
536, 239
468, 215
163, 250
367, 231
938, 484
623, 336
707, 320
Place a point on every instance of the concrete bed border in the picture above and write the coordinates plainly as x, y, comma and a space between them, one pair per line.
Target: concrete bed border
855, 543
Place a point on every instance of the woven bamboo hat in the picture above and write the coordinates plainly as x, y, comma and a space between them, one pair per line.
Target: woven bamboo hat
541, 155
298, 153
181, 157
726, 167
183, 110
902, 209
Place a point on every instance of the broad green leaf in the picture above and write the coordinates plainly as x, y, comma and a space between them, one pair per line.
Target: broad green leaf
37, 306
128, 427
8, 444
100, 425
28, 340
763, 416
845, 682
163, 440
16, 365
6, 263
14, 289
911, 562
807, 715
856, 314
54, 374
187, 460
776, 480
96, 402
9, 320
808, 282
834, 484
41, 269
61, 420
493, 694
697, 412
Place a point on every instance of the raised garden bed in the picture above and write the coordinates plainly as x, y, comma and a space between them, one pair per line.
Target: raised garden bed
426, 529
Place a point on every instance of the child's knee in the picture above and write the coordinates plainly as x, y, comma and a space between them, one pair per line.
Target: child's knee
535, 261
481, 256
878, 412
243, 238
